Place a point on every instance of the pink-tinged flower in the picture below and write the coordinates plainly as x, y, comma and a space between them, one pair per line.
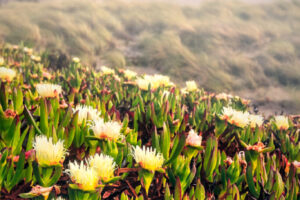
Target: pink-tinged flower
194, 139
48, 90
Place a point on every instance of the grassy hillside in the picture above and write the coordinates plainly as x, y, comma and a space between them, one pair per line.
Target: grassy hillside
248, 49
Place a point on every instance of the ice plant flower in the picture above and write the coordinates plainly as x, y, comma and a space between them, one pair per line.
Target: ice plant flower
162, 80
75, 59
234, 117
27, 50
104, 166
47, 152
83, 176
281, 122
223, 96
129, 74
143, 84
148, 158
86, 113
48, 90
107, 130
256, 120
194, 139
35, 58
7, 74
191, 86
106, 70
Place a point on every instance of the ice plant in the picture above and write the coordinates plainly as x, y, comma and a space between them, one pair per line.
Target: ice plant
48, 90
150, 161
86, 113
106, 70
7, 74
256, 120
104, 166
107, 130
191, 86
281, 122
148, 158
83, 176
129, 74
47, 152
194, 139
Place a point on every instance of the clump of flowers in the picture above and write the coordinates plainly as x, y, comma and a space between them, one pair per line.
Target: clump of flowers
86, 113
84, 176
194, 139
148, 158
47, 152
281, 122
104, 166
7, 74
107, 71
107, 130
48, 90
234, 117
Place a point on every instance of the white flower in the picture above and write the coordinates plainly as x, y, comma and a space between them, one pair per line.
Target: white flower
106, 70
129, 74
27, 50
47, 152
282, 122
75, 59
86, 113
191, 86
238, 118
7, 74
35, 58
107, 130
103, 165
48, 90
83, 176
155, 81
256, 120
194, 139
147, 158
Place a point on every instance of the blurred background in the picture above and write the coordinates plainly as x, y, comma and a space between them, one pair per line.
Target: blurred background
249, 48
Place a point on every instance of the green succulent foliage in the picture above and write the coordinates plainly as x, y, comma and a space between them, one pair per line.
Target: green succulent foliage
161, 118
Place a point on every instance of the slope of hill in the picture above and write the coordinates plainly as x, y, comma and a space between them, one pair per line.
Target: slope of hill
247, 49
